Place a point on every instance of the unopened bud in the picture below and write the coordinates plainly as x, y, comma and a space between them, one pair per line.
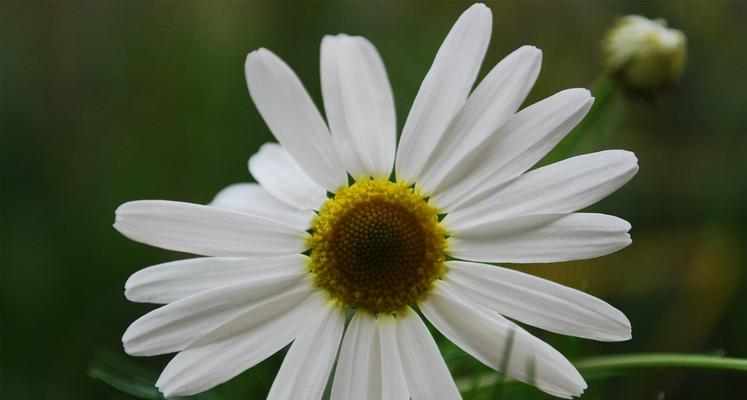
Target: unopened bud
644, 56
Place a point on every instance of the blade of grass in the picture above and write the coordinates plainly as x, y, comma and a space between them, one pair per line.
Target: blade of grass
507, 347
132, 378
124, 375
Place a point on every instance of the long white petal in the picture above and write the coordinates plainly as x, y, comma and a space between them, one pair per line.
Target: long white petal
169, 282
239, 345
538, 302
280, 175
485, 335
307, 365
444, 90
492, 103
252, 198
514, 148
539, 238
425, 370
359, 105
393, 384
358, 372
205, 230
177, 325
563, 187
292, 117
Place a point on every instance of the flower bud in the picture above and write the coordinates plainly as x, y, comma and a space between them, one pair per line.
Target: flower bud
644, 56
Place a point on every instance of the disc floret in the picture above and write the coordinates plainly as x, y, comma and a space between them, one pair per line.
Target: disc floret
377, 245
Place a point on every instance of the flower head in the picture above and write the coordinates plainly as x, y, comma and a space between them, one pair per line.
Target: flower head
644, 55
286, 258
377, 247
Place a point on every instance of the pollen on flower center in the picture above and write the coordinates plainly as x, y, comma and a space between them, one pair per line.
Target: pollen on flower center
377, 246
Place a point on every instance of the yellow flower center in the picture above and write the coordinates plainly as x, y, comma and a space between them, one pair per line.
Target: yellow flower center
377, 246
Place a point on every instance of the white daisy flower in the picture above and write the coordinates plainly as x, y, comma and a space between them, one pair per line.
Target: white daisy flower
285, 259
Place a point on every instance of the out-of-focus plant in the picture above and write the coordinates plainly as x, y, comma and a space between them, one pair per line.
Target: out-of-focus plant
644, 56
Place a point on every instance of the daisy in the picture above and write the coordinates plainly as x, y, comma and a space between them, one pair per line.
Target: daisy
344, 220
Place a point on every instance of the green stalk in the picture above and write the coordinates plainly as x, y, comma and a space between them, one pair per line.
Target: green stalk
594, 368
662, 360
603, 91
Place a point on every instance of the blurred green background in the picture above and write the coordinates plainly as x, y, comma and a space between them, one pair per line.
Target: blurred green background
105, 102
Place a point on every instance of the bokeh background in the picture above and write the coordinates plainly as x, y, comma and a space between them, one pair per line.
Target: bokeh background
105, 102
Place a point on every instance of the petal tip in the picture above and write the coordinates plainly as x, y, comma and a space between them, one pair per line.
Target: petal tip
589, 103
624, 330
327, 40
121, 209
130, 293
257, 56
630, 155
478, 14
252, 56
127, 345
577, 94
621, 333
580, 384
479, 7
530, 50
169, 392
625, 157
119, 224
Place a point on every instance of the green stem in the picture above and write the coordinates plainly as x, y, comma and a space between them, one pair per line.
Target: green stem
630, 362
603, 90
662, 360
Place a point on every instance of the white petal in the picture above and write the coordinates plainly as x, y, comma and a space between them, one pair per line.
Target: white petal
359, 104
492, 103
425, 370
292, 117
485, 334
444, 90
393, 384
206, 230
253, 199
538, 302
168, 282
307, 365
239, 345
563, 187
358, 372
276, 171
514, 148
539, 238
175, 326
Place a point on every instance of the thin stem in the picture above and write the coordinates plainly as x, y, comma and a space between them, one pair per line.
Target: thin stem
662, 360
603, 90
630, 362
507, 347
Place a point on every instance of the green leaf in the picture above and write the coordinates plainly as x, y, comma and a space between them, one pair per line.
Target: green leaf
128, 376
124, 375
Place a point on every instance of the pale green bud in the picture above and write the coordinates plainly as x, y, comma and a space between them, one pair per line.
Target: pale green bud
644, 56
